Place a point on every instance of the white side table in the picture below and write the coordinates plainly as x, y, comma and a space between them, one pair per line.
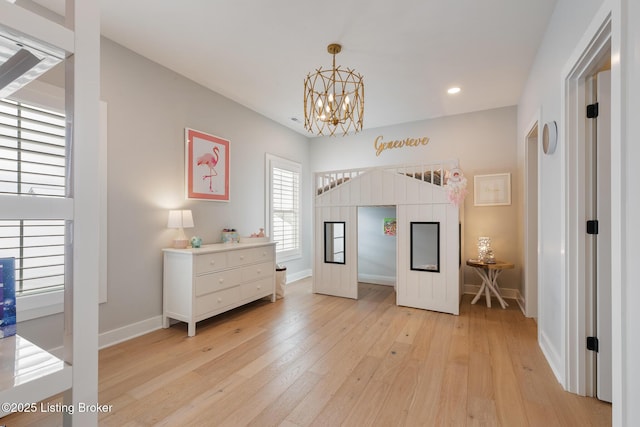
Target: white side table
489, 274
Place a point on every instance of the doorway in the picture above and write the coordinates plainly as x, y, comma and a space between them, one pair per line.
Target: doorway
587, 221
598, 242
531, 222
377, 245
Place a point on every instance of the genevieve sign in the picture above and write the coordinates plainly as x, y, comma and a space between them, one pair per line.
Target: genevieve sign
381, 145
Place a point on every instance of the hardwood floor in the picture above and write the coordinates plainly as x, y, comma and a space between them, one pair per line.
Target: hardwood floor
325, 361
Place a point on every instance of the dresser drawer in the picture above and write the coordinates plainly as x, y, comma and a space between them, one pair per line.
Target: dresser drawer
217, 300
210, 262
261, 254
213, 282
257, 271
239, 257
250, 256
258, 288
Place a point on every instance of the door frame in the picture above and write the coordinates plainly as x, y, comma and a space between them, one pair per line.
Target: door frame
579, 376
531, 217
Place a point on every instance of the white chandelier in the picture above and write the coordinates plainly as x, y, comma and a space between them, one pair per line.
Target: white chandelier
333, 99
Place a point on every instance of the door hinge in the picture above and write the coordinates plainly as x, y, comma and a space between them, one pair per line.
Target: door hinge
592, 226
592, 344
592, 111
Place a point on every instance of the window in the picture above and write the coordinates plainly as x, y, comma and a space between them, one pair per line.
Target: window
425, 246
32, 164
334, 242
283, 195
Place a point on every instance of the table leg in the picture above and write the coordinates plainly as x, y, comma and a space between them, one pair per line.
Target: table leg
493, 285
487, 294
483, 288
489, 284
477, 297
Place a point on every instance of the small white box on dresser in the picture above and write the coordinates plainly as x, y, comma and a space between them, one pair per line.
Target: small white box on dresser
204, 282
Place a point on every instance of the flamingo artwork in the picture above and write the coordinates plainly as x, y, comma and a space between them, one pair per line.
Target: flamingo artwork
210, 160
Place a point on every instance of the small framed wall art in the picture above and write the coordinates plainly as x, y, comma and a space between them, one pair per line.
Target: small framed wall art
207, 166
492, 190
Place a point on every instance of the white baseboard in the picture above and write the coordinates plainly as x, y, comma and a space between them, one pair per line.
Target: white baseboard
377, 280
115, 336
507, 293
521, 303
298, 276
553, 358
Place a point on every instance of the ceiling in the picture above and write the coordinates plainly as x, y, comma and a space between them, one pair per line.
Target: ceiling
410, 52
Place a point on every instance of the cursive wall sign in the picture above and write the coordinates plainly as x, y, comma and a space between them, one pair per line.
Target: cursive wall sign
381, 145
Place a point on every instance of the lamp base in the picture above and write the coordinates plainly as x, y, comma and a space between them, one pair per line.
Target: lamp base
180, 243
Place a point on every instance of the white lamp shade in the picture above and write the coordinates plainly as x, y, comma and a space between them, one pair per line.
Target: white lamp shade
180, 219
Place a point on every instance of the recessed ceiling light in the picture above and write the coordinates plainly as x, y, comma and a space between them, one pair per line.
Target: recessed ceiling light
453, 90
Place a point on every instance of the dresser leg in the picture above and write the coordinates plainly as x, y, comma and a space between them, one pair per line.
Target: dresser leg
191, 329
165, 322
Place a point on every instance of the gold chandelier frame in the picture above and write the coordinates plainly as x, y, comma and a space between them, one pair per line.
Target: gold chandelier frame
333, 99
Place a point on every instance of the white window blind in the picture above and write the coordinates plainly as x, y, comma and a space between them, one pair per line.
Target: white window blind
284, 190
33, 164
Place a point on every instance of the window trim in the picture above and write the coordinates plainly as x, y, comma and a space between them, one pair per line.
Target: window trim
272, 161
39, 305
44, 95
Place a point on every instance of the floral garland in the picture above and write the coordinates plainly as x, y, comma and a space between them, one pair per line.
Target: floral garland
456, 187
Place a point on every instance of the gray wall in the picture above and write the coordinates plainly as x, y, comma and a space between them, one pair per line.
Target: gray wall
149, 107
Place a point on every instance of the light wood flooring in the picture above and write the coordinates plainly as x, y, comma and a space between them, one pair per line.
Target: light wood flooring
326, 361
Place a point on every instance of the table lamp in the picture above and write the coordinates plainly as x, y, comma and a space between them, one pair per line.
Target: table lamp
180, 219
484, 246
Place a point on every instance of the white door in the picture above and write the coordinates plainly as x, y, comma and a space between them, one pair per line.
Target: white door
432, 282
336, 262
603, 238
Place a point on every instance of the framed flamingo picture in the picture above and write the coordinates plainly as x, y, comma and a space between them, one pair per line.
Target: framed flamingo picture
207, 166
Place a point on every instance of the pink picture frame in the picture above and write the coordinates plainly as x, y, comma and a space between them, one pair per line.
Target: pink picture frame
207, 166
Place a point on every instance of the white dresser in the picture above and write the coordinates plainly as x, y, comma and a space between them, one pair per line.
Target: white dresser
200, 283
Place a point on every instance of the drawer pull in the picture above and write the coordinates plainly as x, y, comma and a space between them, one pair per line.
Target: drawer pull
259, 271
221, 280
259, 287
241, 257
212, 262
219, 299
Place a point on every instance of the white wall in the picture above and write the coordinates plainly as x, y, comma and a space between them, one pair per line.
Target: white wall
376, 250
543, 93
484, 142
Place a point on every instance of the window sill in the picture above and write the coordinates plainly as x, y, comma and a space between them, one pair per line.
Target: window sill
286, 258
34, 306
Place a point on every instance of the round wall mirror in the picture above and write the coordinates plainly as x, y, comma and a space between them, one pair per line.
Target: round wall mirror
549, 137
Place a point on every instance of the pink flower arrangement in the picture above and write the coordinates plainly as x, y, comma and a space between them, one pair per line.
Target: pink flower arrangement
456, 187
